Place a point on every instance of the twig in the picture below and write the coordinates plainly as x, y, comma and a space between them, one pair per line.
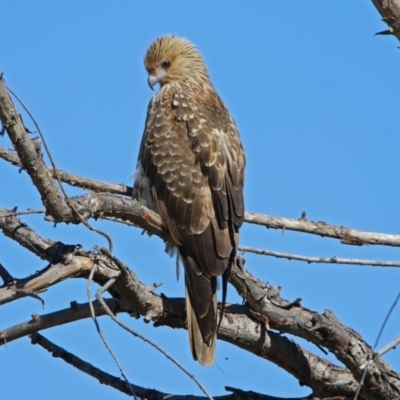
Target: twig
26, 212
83, 366
4, 274
139, 335
72, 179
393, 306
320, 260
38, 129
100, 332
386, 348
25, 293
41, 280
73, 313
389, 346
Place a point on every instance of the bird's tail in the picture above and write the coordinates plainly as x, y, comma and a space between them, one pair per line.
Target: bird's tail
202, 352
201, 312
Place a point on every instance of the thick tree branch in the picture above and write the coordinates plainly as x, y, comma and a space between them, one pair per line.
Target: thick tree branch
322, 329
119, 209
15, 229
346, 235
324, 378
31, 159
72, 265
116, 208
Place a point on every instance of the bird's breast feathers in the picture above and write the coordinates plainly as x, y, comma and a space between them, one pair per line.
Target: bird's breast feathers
189, 150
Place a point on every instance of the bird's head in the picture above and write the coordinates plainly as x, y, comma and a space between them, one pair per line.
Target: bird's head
172, 59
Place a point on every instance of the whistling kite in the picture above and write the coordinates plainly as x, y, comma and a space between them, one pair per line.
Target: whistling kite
190, 171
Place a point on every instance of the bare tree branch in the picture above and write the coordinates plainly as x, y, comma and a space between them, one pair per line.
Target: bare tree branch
51, 275
319, 260
71, 179
393, 344
322, 329
124, 269
15, 229
31, 159
113, 208
5, 275
141, 392
73, 313
236, 327
99, 330
346, 235
390, 11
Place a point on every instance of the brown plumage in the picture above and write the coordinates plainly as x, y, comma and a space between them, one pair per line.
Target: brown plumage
190, 170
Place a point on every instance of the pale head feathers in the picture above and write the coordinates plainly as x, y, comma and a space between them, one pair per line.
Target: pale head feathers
171, 59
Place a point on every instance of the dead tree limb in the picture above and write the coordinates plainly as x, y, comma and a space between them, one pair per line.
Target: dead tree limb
390, 12
31, 158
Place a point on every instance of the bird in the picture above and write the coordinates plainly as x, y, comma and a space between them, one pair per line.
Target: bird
190, 170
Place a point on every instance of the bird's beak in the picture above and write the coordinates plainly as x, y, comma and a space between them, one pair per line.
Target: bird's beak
155, 77
151, 80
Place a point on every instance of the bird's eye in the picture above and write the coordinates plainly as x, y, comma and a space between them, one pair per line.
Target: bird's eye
166, 64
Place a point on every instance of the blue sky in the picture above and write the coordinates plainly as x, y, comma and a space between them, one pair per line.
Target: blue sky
314, 95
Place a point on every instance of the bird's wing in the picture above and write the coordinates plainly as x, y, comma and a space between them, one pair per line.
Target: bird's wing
216, 143
194, 162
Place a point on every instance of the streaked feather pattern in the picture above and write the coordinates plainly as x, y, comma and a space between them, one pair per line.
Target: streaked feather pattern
192, 163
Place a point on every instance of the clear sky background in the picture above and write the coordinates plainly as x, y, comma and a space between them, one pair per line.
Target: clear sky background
315, 97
